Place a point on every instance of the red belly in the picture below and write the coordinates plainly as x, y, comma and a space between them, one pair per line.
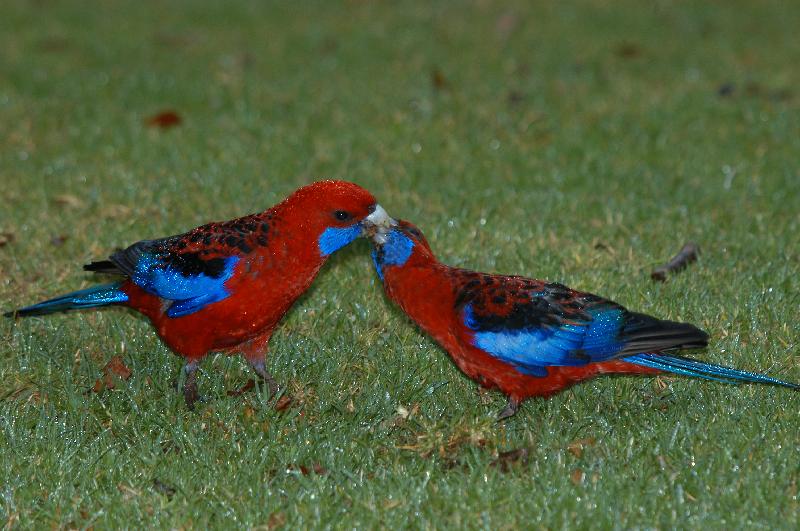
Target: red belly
242, 316
493, 373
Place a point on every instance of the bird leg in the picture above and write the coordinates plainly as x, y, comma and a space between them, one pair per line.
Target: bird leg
190, 393
511, 408
261, 370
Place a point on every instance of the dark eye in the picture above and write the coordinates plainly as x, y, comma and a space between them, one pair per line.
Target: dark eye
341, 215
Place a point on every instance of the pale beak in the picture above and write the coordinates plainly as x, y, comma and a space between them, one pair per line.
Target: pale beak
377, 225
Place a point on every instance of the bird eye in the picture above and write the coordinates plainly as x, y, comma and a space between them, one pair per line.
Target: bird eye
341, 215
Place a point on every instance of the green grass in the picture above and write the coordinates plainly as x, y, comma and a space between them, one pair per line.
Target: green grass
551, 130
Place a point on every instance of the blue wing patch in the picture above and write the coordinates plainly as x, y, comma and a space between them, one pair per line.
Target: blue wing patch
190, 291
531, 350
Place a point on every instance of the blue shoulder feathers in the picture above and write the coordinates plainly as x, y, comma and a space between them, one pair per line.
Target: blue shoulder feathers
531, 349
188, 281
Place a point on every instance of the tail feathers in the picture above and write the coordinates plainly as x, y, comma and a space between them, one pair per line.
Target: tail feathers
707, 371
103, 266
644, 333
87, 298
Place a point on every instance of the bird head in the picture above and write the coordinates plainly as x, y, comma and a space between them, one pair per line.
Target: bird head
334, 212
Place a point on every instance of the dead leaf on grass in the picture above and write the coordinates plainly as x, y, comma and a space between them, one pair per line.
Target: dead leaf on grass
6, 238
276, 520
243, 389
127, 491
628, 50
506, 460
438, 80
116, 211
391, 504
315, 468
114, 368
284, 403
576, 447
164, 119
68, 200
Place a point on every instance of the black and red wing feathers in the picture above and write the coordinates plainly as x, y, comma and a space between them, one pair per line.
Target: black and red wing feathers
535, 323
515, 302
199, 251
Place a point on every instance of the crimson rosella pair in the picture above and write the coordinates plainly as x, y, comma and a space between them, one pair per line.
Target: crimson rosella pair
226, 286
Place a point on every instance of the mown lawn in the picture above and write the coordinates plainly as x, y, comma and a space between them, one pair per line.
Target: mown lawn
582, 142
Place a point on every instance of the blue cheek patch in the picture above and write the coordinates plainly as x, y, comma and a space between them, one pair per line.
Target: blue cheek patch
396, 251
190, 293
334, 238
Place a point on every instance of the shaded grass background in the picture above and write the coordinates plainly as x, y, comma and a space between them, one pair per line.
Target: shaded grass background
583, 142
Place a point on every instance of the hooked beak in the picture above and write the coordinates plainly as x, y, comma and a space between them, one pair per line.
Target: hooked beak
377, 225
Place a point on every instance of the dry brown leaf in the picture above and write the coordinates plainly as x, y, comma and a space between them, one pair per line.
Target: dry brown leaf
116, 211
391, 504
6, 238
68, 200
114, 368
577, 476
577, 446
164, 119
315, 468
284, 403
628, 50
276, 520
438, 80
506, 460
404, 413
127, 491
243, 389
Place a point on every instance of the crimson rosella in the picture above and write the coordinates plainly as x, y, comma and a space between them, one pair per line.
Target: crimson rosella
528, 337
225, 286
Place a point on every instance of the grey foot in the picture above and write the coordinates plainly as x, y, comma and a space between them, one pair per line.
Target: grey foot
509, 411
261, 370
190, 393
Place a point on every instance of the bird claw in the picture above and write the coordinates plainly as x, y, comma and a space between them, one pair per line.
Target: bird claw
273, 386
509, 411
266, 377
190, 393
192, 397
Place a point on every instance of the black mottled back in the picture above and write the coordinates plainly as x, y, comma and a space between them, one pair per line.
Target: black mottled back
515, 303
200, 251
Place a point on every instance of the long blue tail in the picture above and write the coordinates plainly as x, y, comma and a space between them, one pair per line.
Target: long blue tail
77, 300
699, 369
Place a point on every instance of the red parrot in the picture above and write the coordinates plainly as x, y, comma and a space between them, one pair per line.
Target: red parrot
529, 337
225, 286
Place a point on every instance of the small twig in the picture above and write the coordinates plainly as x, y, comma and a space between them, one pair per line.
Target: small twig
685, 256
